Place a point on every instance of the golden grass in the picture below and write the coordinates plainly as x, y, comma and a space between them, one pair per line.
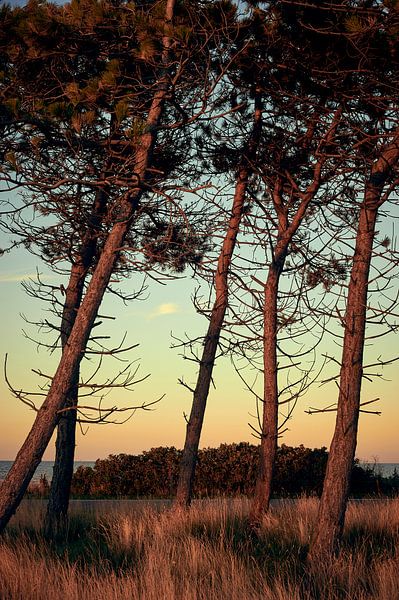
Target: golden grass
138, 550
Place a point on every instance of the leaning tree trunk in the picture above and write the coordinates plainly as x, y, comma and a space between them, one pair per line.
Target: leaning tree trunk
333, 502
31, 452
204, 377
331, 517
29, 456
56, 518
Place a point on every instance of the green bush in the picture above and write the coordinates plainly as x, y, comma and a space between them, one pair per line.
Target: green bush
229, 470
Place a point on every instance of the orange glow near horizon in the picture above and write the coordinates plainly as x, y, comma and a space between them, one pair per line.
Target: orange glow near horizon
150, 323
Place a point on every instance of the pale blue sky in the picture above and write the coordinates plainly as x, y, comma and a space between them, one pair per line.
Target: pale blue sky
150, 323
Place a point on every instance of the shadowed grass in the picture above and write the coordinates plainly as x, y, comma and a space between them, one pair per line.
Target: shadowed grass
144, 551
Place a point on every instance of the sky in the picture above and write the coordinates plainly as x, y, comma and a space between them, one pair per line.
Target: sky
153, 323
167, 311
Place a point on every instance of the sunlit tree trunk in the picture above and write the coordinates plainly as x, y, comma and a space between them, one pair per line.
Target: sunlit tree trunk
269, 425
285, 234
30, 454
269, 433
331, 517
204, 377
333, 502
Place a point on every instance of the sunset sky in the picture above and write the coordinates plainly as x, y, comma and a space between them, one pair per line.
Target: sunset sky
168, 310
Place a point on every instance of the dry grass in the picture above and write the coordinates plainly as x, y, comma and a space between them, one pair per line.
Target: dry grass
143, 551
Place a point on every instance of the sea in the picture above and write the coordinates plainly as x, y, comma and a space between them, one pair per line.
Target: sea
384, 469
46, 468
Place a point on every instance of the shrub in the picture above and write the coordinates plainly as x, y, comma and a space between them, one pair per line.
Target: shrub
229, 470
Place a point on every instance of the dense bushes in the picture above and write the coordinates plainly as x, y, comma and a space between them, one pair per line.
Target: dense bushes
229, 470
152, 473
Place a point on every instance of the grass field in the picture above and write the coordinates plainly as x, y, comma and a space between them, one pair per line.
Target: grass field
141, 550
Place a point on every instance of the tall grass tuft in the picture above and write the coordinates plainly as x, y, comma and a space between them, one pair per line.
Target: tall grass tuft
138, 550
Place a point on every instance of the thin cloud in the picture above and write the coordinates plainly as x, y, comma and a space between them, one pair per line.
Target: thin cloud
16, 277
169, 308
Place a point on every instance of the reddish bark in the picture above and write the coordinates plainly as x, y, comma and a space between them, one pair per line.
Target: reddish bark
56, 518
330, 521
204, 377
286, 231
31, 452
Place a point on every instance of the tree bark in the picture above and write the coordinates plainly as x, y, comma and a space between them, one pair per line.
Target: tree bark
333, 502
204, 377
55, 521
31, 452
285, 234
268, 445
269, 433
330, 522
56, 518
29, 456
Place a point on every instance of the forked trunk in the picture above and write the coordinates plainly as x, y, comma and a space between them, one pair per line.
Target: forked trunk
31, 452
56, 518
270, 425
269, 431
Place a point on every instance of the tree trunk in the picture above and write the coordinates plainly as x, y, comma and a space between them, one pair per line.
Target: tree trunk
268, 445
204, 378
334, 499
56, 518
29, 456
31, 452
286, 232
331, 517
55, 521
269, 433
